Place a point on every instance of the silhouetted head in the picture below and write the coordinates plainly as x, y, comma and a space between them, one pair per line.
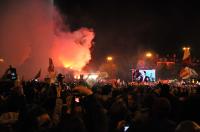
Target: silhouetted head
161, 107
165, 89
187, 126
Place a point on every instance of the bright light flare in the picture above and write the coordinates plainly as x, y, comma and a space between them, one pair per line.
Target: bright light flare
186, 48
76, 77
66, 65
109, 58
149, 54
93, 76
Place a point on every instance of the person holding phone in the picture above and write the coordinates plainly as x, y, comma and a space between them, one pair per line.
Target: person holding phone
11, 73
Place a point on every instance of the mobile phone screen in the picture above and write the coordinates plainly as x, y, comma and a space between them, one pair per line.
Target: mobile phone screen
77, 100
126, 128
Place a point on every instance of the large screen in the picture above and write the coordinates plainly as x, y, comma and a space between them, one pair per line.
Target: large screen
148, 75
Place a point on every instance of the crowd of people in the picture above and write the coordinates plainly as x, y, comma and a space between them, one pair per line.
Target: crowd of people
38, 106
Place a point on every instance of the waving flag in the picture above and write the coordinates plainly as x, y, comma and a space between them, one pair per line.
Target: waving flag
51, 70
186, 56
187, 73
38, 74
51, 65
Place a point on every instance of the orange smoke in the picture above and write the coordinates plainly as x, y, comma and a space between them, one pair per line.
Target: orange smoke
72, 49
32, 32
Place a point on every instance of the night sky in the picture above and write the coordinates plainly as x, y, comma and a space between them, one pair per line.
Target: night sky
161, 26
125, 29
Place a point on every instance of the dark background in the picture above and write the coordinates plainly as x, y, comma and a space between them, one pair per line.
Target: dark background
125, 29
122, 29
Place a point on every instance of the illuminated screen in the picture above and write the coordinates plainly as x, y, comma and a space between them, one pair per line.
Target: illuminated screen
150, 75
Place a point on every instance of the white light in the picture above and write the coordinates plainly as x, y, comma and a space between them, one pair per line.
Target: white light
76, 77
93, 76
1, 60
85, 76
109, 58
186, 48
149, 54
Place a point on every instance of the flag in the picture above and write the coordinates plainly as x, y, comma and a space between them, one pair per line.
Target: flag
51, 66
187, 73
52, 73
38, 74
186, 56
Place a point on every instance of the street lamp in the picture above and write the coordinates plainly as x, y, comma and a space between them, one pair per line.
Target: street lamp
148, 54
149, 60
109, 58
186, 48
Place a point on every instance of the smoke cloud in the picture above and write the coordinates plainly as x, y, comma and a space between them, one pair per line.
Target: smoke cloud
29, 36
72, 49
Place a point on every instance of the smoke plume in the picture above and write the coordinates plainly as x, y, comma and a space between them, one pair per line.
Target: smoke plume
29, 36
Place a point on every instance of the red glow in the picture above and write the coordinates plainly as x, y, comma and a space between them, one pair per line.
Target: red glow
32, 32
72, 49
168, 63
